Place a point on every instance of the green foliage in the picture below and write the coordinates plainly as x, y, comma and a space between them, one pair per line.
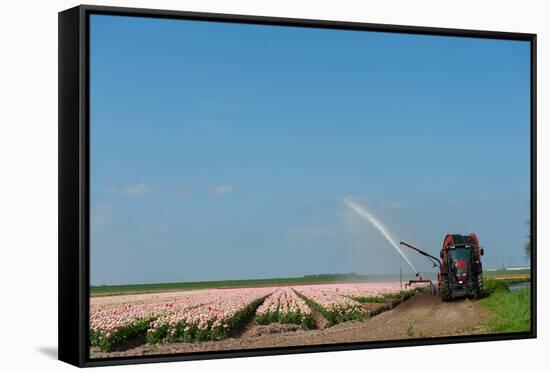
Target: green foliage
402, 295
508, 273
370, 299
308, 322
157, 335
410, 330
491, 285
267, 318
305, 321
527, 249
512, 311
190, 333
411, 333
106, 342
335, 315
527, 245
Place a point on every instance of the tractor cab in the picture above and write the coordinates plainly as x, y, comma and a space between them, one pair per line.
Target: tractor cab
460, 263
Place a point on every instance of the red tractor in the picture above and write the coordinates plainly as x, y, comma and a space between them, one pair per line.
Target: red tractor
460, 271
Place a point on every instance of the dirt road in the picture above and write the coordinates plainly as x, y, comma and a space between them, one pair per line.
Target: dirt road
421, 316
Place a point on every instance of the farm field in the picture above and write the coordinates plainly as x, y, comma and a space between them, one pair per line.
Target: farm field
276, 316
122, 322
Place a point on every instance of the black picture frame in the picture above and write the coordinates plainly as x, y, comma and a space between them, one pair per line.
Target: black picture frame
74, 186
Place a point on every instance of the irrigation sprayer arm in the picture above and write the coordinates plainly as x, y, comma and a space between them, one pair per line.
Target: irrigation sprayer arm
436, 262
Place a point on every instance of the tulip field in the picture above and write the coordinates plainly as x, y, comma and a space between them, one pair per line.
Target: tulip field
215, 314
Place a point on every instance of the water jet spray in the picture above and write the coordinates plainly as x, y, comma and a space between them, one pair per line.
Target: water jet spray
365, 214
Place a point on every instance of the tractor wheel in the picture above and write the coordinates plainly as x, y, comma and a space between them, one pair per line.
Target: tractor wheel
478, 287
445, 289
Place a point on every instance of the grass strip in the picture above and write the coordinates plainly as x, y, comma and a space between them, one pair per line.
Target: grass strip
511, 311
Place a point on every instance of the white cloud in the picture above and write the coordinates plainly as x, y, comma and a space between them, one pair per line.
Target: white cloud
136, 190
221, 190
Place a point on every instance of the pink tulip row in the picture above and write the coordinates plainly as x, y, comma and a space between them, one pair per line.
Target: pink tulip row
284, 306
289, 303
330, 300
210, 320
111, 324
270, 305
359, 290
109, 320
342, 302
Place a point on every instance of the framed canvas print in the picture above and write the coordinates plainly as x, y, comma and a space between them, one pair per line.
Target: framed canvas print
238, 185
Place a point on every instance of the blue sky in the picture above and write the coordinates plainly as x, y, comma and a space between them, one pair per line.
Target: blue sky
224, 151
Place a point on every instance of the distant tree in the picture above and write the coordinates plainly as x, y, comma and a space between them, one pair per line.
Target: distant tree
527, 245
527, 248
